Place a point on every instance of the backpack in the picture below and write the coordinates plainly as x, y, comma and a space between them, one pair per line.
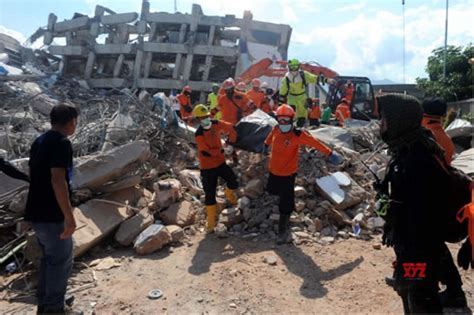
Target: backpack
459, 193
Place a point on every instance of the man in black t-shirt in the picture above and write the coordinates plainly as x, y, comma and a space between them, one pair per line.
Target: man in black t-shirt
49, 209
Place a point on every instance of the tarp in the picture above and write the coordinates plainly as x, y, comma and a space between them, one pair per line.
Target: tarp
335, 136
460, 128
252, 131
465, 162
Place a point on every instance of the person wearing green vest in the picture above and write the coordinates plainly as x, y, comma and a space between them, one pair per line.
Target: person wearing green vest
293, 87
212, 102
326, 113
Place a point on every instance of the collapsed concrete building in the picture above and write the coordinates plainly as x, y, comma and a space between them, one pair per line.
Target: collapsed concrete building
162, 51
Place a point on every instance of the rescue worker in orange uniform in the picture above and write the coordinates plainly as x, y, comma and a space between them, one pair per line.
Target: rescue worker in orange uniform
285, 141
233, 105
343, 111
349, 91
212, 160
257, 95
185, 105
314, 112
434, 111
241, 87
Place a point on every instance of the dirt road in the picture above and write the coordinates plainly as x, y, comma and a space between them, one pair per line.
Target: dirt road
236, 276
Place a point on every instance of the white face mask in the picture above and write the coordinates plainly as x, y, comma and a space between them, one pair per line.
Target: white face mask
206, 123
294, 73
285, 128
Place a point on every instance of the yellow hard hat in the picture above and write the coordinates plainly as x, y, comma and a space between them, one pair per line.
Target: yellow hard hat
201, 111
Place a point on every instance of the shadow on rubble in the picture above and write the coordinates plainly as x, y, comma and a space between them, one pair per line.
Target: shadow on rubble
213, 250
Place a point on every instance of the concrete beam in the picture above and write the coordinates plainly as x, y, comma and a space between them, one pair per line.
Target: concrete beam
165, 48
167, 18
68, 50
109, 83
71, 24
115, 48
173, 84
214, 50
119, 18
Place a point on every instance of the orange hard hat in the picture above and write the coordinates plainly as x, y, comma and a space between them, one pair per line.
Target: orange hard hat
228, 84
241, 86
187, 88
285, 110
256, 83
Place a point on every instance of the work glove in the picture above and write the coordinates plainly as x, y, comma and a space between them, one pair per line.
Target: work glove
309, 103
465, 255
387, 237
335, 158
264, 150
228, 150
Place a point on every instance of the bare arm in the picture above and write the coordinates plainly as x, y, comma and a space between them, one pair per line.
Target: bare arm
58, 180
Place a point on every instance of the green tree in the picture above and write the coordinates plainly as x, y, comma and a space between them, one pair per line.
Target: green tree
458, 84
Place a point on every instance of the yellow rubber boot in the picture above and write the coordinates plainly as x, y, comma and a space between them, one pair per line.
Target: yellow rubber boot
230, 195
211, 218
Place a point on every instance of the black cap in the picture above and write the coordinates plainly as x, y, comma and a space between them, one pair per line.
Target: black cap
435, 106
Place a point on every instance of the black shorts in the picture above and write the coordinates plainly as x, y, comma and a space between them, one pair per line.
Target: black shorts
209, 180
284, 187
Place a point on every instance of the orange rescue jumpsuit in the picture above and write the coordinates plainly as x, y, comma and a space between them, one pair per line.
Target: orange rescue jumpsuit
185, 108
283, 163
258, 98
233, 109
343, 112
212, 160
433, 123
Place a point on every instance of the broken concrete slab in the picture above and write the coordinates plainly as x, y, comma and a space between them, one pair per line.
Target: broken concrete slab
191, 179
126, 182
181, 214
95, 170
153, 238
176, 232
131, 228
341, 190
100, 217
167, 192
230, 217
254, 188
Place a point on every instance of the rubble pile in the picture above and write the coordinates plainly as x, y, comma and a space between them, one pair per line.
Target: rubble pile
136, 172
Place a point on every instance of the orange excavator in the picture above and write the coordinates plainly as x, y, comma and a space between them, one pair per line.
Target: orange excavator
363, 103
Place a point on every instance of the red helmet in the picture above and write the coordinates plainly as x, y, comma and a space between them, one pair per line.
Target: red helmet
286, 111
228, 84
187, 88
256, 83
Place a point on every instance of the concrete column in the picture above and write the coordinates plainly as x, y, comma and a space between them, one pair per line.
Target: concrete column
182, 34
207, 66
118, 65
89, 65
193, 28
149, 55
244, 30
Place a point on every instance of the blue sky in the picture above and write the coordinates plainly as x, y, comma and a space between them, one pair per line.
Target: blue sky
362, 37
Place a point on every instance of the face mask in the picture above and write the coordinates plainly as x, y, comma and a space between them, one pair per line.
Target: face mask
294, 73
206, 123
285, 128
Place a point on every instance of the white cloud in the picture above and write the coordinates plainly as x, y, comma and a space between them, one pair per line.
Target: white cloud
372, 44
352, 7
15, 34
